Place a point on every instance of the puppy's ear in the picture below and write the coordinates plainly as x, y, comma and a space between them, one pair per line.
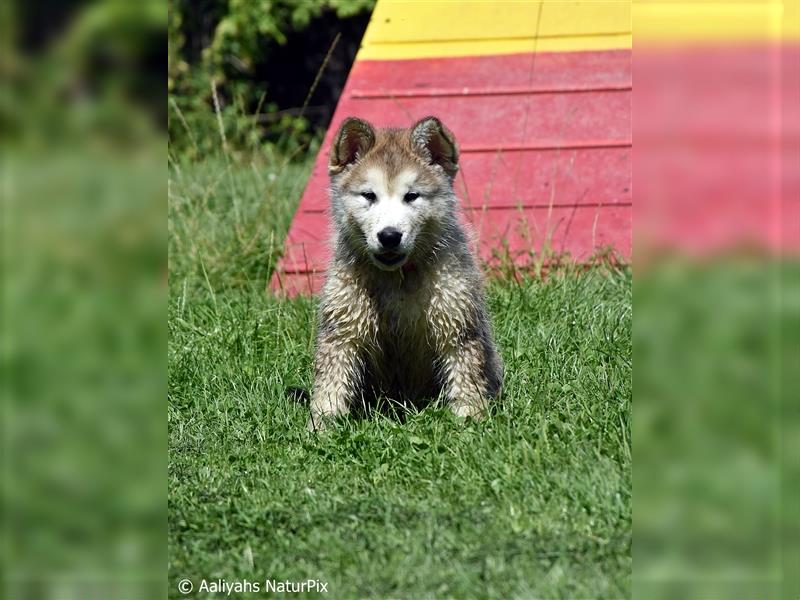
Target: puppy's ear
353, 140
436, 144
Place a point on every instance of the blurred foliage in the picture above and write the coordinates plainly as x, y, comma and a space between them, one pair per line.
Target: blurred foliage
234, 49
96, 67
711, 428
84, 295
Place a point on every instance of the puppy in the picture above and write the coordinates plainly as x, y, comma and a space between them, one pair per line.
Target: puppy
403, 310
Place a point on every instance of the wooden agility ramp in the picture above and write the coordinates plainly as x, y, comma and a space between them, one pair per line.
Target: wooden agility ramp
538, 95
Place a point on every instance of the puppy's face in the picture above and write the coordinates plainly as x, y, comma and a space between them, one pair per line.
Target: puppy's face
391, 188
392, 210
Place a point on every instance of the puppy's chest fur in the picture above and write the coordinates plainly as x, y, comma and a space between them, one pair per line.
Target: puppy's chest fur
404, 364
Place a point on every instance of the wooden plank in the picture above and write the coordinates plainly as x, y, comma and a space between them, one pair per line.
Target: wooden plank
577, 230
544, 119
402, 29
543, 179
580, 231
714, 23
528, 179
554, 70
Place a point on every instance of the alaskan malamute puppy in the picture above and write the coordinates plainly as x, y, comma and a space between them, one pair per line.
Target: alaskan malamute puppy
402, 312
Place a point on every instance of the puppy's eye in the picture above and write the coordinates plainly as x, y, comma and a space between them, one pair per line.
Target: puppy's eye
411, 196
369, 196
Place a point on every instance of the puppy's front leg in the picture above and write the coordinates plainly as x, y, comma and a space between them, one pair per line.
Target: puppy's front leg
338, 371
464, 381
347, 323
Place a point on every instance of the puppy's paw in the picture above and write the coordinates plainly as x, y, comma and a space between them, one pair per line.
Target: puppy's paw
472, 410
315, 424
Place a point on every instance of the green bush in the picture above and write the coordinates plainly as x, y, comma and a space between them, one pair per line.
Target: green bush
235, 37
81, 72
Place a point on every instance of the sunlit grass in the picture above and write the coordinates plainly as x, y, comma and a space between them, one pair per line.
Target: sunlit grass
533, 501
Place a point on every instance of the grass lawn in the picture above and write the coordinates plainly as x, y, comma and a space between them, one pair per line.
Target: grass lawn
532, 502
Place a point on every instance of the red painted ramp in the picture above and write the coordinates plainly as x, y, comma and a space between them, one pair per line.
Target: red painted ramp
545, 137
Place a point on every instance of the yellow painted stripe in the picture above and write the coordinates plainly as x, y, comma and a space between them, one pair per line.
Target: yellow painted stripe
491, 47
428, 28
713, 22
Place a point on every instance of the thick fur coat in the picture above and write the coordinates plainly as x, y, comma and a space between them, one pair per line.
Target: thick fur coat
402, 313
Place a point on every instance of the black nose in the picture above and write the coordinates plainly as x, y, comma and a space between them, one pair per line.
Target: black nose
389, 238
